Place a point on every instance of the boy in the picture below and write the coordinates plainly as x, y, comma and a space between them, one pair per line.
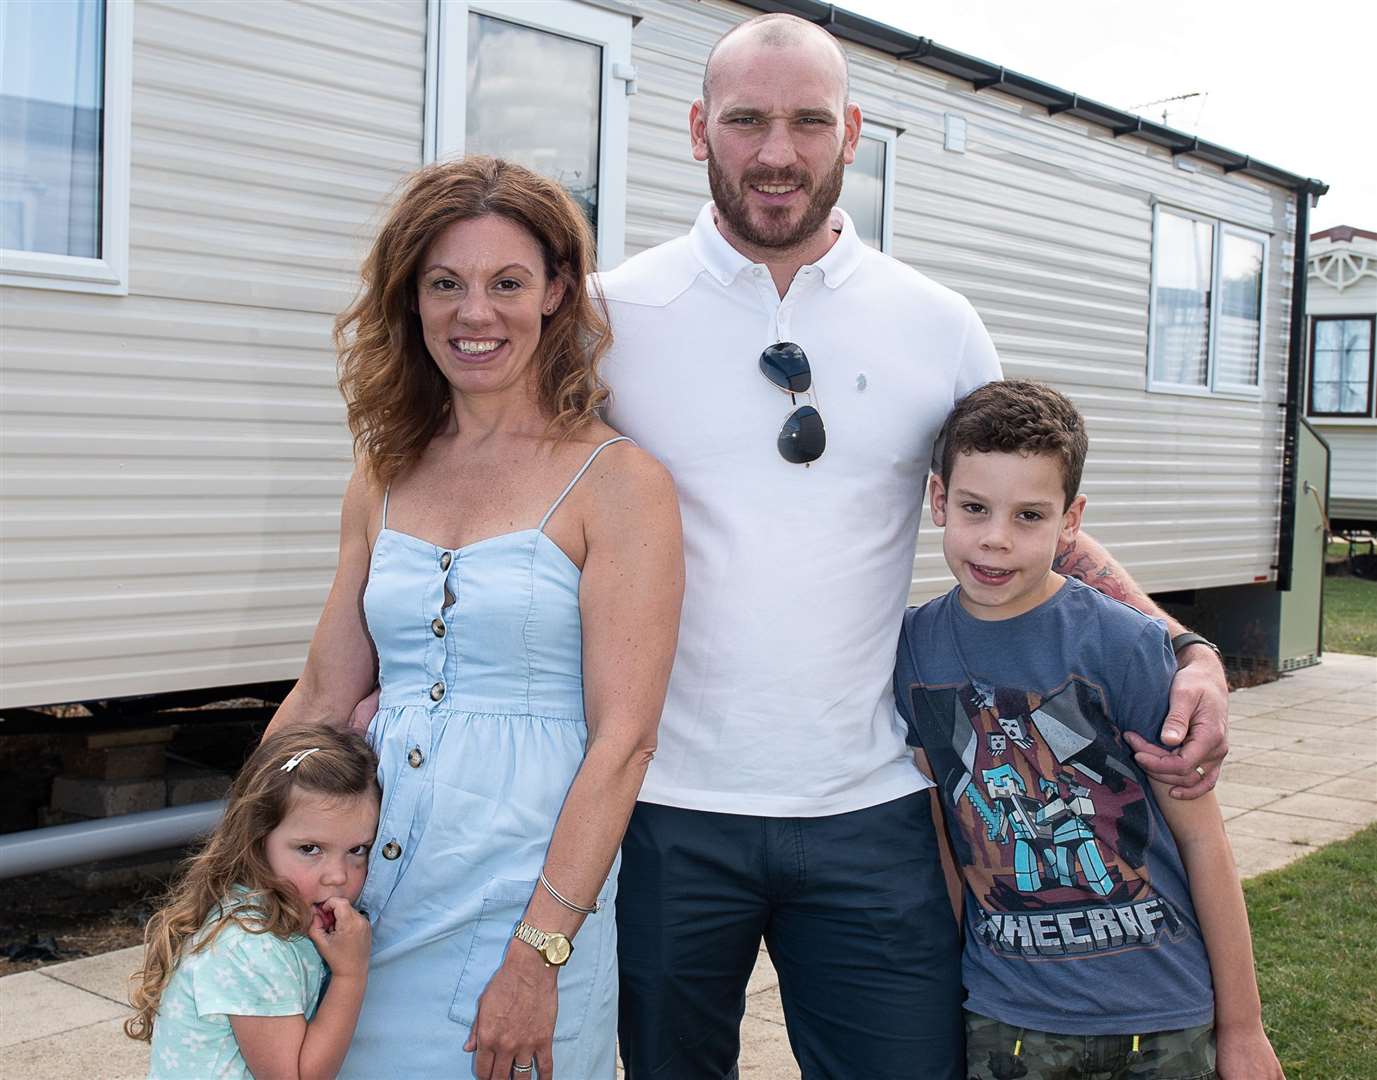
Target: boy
1090, 948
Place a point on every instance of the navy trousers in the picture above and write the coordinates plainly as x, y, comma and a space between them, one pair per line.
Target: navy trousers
853, 910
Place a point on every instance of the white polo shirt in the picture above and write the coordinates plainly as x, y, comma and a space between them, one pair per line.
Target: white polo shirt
781, 702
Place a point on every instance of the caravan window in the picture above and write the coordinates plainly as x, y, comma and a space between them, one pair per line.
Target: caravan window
1205, 332
543, 83
1183, 263
64, 140
1341, 362
868, 186
507, 106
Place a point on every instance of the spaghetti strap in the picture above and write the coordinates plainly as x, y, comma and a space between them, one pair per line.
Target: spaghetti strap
570, 486
386, 492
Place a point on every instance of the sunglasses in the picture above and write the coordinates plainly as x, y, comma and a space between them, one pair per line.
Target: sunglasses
802, 439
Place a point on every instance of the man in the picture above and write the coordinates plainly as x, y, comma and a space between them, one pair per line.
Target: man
782, 802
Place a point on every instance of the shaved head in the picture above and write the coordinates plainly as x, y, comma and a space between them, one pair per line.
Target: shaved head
784, 32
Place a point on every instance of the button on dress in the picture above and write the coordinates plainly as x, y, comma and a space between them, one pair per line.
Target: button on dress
479, 733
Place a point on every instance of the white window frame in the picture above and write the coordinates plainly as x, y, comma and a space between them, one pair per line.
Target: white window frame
446, 89
108, 274
1214, 386
889, 136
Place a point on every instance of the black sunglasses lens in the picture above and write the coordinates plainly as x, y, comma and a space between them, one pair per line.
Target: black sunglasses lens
802, 438
786, 366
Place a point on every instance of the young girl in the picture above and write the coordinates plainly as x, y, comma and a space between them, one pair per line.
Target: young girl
233, 963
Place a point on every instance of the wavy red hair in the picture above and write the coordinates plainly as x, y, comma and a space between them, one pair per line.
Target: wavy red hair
397, 399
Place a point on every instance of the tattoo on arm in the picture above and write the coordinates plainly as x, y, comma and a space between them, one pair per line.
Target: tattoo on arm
1105, 575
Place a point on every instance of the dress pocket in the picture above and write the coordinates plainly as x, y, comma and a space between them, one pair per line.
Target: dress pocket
504, 902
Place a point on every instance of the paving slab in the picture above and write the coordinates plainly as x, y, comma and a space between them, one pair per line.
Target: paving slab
1271, 723
1292, 760
1352, 750
763, 978
97, 1051
1351, 722
1299, 717
1360, 698
1360, 705
1349, 787
106, 975
1242, 738
1314, 804
1272, 776
1240, 707
1239, 754
1249, 796
765, 1052
1268, 825
1257, 855
766, 1006
33, 1006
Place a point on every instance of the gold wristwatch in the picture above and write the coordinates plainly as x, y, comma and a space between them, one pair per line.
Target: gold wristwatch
555, 948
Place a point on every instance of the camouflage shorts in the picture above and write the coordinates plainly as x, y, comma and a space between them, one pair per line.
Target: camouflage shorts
996, 1051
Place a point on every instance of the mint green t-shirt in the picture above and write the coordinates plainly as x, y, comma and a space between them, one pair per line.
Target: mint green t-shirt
238, 974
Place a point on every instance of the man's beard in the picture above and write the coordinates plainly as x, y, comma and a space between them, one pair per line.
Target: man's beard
774, 231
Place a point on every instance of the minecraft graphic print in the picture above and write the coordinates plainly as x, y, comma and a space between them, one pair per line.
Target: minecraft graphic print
1048, 819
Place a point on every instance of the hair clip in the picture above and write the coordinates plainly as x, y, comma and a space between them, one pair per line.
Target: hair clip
297, 758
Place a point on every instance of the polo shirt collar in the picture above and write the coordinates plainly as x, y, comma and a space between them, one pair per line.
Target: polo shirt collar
724, 262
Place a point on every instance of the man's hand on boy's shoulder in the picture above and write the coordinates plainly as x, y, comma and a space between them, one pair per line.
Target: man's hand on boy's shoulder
1195, 734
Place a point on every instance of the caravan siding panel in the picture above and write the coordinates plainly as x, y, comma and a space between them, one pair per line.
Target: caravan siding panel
1045, 224
1352, 471
173, 460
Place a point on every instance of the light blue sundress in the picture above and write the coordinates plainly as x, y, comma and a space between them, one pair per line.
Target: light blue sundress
479, 733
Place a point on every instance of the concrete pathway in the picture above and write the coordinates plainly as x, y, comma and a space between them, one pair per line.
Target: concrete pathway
1302, 773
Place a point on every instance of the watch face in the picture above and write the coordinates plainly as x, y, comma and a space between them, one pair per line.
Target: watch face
557, 949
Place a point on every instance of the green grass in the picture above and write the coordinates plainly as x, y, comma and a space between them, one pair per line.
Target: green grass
1315, 940
1350, 619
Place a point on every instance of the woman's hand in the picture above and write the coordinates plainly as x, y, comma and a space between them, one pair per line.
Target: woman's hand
342, 936
515, 1024
1245, 1054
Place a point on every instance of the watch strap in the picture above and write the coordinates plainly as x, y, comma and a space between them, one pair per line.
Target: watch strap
1180, 641
530, 935
544, 943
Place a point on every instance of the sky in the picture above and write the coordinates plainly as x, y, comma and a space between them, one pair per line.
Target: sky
1295, 93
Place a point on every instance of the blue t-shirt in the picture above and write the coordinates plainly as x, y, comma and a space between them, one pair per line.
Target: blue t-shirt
1078, 912
240, 973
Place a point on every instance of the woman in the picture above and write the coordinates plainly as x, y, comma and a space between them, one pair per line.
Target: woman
511, 562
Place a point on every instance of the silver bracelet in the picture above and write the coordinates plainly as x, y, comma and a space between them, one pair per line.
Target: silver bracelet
568, 903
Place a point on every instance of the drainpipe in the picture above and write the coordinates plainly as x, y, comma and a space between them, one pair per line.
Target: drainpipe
1295, 371
37, 850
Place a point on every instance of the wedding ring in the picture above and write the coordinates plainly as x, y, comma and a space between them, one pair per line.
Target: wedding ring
523, 1068
1201, 770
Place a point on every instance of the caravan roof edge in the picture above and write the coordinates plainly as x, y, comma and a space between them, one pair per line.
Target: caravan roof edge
983, 75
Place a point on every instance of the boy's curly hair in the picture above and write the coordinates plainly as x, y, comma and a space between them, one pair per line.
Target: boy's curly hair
1016, 416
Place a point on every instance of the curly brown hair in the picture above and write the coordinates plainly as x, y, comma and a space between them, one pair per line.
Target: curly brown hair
343, 765
396, 396
1018, 416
